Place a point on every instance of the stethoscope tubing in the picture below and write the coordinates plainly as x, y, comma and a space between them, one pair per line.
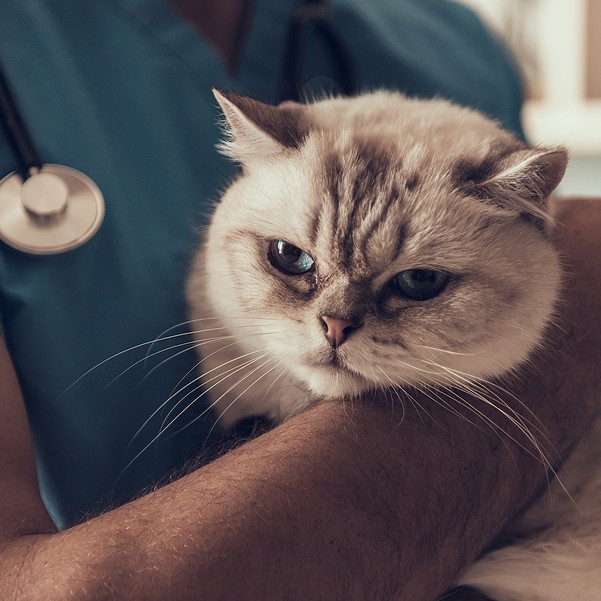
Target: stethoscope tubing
18, 136
313, 15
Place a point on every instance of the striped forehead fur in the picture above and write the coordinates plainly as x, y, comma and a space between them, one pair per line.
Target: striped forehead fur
364, 185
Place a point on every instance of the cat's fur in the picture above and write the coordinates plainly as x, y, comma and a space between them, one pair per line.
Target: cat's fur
370, 187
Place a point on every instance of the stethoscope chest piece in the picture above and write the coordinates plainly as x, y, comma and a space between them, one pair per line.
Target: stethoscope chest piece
56, 209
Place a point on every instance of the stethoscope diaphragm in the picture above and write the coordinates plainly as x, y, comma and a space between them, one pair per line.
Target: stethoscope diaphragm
56, 209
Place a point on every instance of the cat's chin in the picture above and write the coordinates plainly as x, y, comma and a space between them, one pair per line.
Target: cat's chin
333, 382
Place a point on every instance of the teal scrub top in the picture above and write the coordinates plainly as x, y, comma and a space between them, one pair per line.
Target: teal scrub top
120, 89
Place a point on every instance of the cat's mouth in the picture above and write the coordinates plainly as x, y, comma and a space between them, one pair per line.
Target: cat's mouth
333, 360
330, 376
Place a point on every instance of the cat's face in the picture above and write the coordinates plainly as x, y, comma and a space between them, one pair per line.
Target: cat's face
370, 242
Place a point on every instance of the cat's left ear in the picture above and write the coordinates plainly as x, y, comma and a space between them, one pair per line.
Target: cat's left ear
523, 180
257, 130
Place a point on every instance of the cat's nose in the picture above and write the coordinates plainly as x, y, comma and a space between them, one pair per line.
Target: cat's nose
337, 330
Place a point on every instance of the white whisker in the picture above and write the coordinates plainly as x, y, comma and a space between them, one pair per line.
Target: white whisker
190, 345
463, 382
198, 344
176, 390
215, 381
197, 381
244, 391
441, 350
164, 427
161, 338
478, 385
395, 390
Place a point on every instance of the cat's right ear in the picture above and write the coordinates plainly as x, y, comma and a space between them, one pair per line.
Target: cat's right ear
255, 130
519, 181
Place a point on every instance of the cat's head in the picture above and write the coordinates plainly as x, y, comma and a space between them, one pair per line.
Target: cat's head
382, 240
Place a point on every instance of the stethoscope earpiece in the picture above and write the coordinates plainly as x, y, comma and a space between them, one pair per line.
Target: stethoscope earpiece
56, 209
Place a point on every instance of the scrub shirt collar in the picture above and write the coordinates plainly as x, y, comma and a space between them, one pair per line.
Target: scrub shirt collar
178, 37
260, 64
260, 68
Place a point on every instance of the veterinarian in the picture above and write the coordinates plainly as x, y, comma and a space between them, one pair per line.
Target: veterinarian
340, 502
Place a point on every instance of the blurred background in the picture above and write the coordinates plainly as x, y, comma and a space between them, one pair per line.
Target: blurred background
558, 46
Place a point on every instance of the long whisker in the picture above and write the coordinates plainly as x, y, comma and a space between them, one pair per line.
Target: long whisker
508, 412
481, 381
215, 402
275, 380
463, 381
417, 405
541, 454
395, 390
112, 357
434, 394
150, 343
200, 343
191, 383
165, 427
190, 344
479, 385
189, 322
277, 364
220, 377
218, 367
176, 389
503, 435
441, 350
454, 397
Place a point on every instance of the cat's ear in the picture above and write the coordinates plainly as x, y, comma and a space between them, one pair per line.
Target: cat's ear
257, 130
522, 180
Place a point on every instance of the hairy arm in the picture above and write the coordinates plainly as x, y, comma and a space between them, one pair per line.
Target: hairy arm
345, 501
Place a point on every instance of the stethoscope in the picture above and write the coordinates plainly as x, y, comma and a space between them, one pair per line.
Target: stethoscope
48, 209
45, 209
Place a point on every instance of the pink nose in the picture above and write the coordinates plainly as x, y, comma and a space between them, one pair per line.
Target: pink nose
337, 330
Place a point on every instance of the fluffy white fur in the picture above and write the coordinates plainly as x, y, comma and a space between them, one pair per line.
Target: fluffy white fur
260, 332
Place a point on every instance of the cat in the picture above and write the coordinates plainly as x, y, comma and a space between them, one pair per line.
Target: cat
372, 243
370, 220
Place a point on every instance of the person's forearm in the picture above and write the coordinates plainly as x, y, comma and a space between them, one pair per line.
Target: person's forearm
316, 509
340, 502
335, 504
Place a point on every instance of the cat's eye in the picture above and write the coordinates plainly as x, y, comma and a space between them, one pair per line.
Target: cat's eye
420, 284
289, 258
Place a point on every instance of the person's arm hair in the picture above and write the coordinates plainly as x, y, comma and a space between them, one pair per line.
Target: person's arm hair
344, 501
